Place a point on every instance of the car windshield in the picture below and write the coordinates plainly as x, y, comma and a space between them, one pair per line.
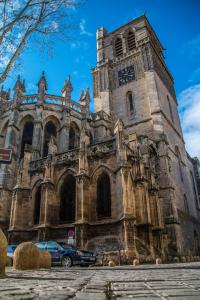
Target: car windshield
54, 246
65, 246
11, 247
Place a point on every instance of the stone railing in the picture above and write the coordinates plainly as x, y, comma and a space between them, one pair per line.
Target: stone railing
37, 165
67, 157
102, 148
75, 106
55, 100
50, 99
30, 99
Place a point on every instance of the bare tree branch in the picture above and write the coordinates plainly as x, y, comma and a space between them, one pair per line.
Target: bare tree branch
38, 17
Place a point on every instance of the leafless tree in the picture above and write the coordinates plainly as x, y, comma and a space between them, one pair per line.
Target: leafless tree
22, 19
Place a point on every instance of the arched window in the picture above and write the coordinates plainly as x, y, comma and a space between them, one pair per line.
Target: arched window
27, 136
170, 109
74, 136
38, 195
49, 131
186, 204
68, 200
194, 189
103, 196
118, 47
131, 40
3, 135
130, 103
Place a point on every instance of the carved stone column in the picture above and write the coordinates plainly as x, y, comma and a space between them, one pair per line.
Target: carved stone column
37, 133
166, 192
81, 233
82, 198
129, 236
49, 208
125, 175
49, 213
64, 131
21, 209
82, 209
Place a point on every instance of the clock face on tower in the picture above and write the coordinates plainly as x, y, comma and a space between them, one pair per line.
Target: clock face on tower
126, 75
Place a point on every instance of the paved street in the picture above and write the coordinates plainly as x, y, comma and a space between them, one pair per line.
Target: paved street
177, 281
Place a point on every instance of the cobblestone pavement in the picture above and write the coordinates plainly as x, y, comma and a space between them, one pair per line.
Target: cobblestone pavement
175, 282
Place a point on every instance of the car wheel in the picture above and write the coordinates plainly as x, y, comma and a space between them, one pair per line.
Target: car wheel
85, 266
67, 262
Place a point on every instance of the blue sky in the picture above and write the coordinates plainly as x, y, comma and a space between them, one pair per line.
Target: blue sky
177, 24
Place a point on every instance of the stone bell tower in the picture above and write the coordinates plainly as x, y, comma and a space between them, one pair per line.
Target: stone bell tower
132, 83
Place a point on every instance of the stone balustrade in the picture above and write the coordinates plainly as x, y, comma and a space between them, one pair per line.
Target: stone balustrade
102, 148
68, 157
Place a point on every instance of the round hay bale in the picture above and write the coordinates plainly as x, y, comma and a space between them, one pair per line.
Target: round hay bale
111, 263
158, 261
26, 257
136, 262
3, 252
45, 260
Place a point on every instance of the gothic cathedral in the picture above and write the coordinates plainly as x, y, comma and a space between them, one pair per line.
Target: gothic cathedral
115, 179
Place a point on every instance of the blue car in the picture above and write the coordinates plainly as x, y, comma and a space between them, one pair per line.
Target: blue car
66, 256
11, 250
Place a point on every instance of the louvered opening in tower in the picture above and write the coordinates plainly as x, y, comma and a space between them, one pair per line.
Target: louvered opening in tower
118, 47
131, 41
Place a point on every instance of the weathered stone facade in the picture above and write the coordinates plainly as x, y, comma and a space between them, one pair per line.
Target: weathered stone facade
119, 177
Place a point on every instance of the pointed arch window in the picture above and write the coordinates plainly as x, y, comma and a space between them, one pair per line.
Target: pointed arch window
118, 47
131, 43
3, 135
130, 102
49, 131
68, 200
74, 136
37, 207
27, 136
194, 190
103, 196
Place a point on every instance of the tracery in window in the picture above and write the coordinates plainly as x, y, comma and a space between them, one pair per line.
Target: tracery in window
131, 40
118, 47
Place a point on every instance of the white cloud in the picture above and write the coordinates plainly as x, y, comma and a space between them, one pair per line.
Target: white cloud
189, 106
195, 76
83, 31
192, 47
